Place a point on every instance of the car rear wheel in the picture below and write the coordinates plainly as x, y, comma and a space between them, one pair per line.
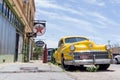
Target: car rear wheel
103, 66
53, 60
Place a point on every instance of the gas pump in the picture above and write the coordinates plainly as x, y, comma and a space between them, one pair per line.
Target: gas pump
45, 54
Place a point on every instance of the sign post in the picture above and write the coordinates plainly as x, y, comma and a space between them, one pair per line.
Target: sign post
39, 29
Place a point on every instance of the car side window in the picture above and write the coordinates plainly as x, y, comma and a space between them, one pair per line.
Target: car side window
60, 43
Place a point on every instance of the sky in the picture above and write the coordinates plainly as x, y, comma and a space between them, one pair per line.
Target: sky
98, 20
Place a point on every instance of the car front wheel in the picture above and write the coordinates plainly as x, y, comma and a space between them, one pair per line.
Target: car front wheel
103, 66
66, 67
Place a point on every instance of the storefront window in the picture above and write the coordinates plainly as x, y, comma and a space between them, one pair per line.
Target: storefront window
8, 29
1, 3
7, 37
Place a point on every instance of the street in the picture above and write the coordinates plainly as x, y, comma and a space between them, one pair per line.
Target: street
35, 70
47, 71
113, 73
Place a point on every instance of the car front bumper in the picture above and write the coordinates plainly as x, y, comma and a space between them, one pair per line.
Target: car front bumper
89, 62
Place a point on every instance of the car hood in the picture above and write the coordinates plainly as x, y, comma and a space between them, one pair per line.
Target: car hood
88, 45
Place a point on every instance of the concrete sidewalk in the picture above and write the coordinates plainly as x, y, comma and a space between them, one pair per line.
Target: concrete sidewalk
34, 70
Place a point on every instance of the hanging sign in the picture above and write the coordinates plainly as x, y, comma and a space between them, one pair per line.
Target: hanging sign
39, 28
39, 43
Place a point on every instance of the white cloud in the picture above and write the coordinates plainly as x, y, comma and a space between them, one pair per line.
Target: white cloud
51, 43
85, 13
49, 4
101, 19
115, 36
96, 39
46, 13
86, 24
55, 28
95, 2
62, 17
44, 3
115, 1
80, 21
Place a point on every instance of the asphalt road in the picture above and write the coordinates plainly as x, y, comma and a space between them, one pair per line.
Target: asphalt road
113, 73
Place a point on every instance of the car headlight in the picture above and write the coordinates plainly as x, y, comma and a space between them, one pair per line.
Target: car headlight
72, 47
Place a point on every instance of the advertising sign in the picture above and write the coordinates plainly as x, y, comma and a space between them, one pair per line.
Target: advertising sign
39, 43
39, 28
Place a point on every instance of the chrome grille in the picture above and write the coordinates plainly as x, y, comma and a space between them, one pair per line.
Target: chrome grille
89, 55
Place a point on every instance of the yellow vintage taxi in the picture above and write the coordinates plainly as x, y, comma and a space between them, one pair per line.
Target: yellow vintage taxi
79, 51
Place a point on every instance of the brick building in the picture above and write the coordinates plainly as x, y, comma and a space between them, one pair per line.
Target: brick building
16, 19
115, 50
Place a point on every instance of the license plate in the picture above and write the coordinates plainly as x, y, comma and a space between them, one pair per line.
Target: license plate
84, 57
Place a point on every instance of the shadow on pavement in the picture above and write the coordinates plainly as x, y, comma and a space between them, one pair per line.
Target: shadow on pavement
83, 69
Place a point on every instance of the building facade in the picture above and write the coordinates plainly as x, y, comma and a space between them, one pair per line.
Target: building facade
16, 19
115, 50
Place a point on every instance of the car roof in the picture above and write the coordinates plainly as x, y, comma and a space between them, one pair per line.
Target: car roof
73, 36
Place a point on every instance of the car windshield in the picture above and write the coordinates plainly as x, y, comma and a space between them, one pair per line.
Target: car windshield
74, 39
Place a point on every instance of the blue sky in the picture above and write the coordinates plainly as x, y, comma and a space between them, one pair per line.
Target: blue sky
98, 20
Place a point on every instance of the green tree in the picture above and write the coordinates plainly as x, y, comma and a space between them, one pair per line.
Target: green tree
37, 52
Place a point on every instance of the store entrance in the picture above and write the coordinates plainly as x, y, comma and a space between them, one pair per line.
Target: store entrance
16, 47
